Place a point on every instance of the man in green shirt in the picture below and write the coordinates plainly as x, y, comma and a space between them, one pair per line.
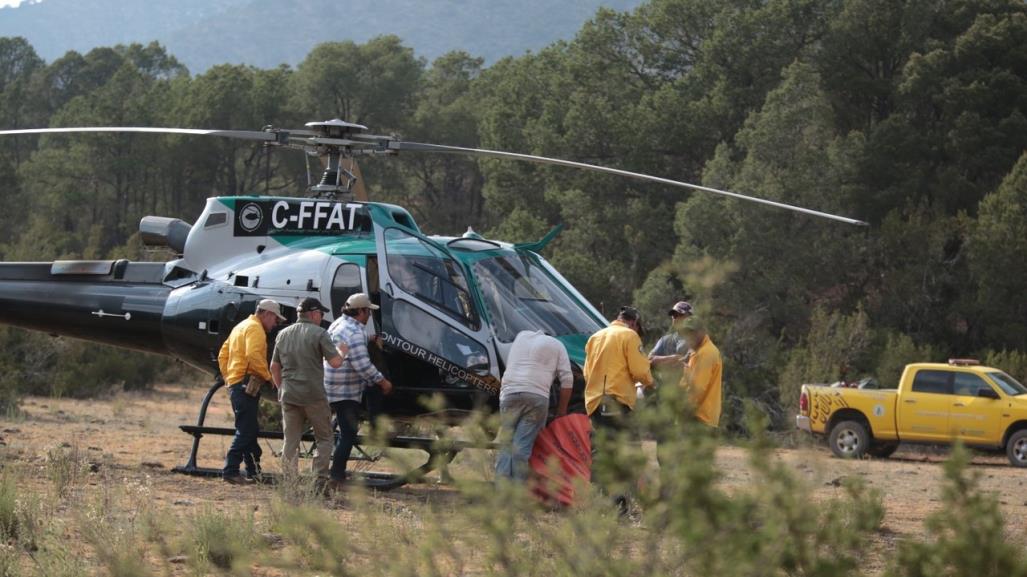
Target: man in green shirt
297, 369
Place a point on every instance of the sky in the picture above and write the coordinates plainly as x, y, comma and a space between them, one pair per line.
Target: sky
9, 3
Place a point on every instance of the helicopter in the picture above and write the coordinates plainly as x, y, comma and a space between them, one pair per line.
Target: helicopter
450, 306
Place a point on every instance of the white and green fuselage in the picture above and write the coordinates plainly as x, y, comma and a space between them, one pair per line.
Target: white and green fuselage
450, 306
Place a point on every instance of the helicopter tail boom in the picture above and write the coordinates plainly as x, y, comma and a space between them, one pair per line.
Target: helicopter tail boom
112, 302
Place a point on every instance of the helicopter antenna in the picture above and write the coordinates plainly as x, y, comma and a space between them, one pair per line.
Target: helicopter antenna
267, 166
267, 170
335, 140
306, 163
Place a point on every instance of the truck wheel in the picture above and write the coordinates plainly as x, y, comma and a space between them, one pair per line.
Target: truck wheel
883, 450
1016, 448
849, 440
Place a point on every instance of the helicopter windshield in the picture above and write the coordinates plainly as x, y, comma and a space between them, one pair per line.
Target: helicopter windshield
521, 296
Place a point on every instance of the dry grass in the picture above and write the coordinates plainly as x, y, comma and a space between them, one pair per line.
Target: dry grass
106, 465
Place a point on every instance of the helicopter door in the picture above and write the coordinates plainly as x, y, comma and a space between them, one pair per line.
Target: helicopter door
428, 314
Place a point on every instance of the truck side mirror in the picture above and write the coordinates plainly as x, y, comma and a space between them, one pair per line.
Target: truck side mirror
987, 393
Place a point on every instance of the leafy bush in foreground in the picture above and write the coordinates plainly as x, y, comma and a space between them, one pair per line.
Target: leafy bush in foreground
684, 521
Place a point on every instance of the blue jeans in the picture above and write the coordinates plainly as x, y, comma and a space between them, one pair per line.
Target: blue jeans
245, 445
522, 416
347, 415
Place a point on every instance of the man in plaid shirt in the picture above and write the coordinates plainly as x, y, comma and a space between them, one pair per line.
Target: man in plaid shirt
345, 385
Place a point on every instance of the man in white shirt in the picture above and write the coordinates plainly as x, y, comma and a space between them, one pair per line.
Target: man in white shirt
534, 362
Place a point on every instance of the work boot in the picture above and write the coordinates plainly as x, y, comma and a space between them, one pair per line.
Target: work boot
237, 479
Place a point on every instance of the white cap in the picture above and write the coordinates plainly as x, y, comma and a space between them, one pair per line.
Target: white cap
360, 301
271, 306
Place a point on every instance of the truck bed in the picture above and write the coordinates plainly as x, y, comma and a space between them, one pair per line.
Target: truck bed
878, 406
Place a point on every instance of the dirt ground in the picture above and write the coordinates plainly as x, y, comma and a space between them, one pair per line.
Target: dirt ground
136, 437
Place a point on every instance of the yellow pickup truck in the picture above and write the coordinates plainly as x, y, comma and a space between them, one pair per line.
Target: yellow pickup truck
935, 403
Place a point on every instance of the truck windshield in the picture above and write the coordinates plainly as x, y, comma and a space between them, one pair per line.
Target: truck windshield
1008, 384
521, 296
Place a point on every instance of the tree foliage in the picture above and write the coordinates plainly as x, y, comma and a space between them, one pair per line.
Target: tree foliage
909, 114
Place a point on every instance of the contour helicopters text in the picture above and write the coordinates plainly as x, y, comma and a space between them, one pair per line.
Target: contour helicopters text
487, 384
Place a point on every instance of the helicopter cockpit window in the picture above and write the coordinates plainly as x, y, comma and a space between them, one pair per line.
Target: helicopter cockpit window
521, 296
424, 271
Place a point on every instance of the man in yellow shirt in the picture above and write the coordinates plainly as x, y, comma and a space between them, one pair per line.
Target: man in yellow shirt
702, 375
243, 364
614, 362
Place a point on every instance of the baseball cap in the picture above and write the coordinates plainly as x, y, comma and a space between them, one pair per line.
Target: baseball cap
630, 313
360, 301
311, 304
271, 306
681, 308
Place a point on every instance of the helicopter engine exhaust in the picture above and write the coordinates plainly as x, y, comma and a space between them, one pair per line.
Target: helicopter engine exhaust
164, 231
118, 303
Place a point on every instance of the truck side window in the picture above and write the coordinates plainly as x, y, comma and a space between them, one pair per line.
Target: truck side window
933, 382
967, 384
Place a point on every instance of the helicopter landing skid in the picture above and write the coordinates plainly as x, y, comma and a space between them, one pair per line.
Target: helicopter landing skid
440, 452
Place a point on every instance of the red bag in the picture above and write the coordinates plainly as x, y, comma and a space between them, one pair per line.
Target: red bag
562, 458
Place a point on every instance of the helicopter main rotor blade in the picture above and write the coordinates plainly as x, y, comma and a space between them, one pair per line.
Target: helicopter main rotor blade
263, 136
423, 147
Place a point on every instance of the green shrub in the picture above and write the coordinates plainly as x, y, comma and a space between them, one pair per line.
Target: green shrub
769, 527
684, 523
88, 370
10, 397
899, 350
65, 467
25, 365
661, 289
224, 540
319, 542
23, 517
837, 346
1012, 362
10, 560
269, 415
117, 536
82, 369
8, 508
967, 534
53, 559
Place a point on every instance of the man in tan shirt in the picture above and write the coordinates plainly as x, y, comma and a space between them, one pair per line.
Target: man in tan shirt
297, 367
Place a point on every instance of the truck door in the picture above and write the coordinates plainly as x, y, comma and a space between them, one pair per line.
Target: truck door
924, 407
972, 418
428, 314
